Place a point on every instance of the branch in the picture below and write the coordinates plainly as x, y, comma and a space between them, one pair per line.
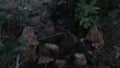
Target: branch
17, 61
71, 34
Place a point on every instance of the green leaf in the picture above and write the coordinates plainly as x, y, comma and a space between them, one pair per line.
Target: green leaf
92, 2
96, 8
81, 22
61, 2
3, 18
21, 39
20, 48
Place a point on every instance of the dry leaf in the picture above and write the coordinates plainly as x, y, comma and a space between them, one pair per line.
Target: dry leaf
95, 36
116, 48
118, 51
49, 28
35, 20
90, 52
30, 40
30, 37
49, 49
117, 55
45, 24
61, 63
51, 46
80, 59
30, 55
45, 60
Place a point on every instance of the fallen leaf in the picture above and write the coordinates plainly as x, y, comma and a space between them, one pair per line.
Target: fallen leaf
80, 59
49, 28
117, 48
45, 24
90, 52
49, 49
30, 37
117, 55
51, 46
117, 51
61, 63
95, 36
30, 55
35, 20
45, 60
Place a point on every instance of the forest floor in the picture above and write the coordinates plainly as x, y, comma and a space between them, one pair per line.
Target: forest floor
45, 40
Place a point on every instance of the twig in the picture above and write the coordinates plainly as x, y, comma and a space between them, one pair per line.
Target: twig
1, 44
72, 35
22, 63
51, 36
46, 65
17, 61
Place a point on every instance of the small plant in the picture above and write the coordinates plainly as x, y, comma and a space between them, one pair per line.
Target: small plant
86, 13
22, 13
10, 50
118, 4
3, 18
